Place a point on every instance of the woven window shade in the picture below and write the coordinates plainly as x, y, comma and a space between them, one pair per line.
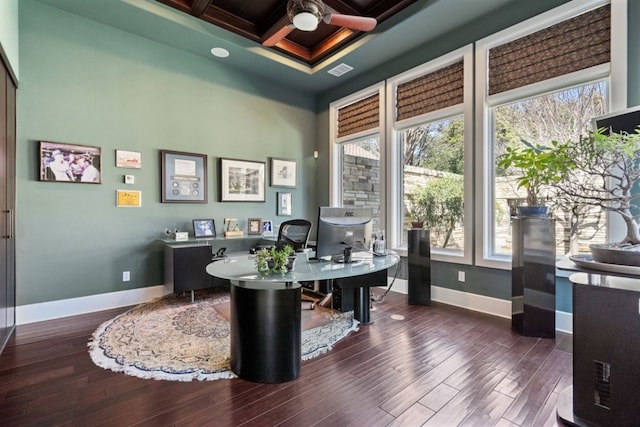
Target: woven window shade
359, 116
431, 92
572, 45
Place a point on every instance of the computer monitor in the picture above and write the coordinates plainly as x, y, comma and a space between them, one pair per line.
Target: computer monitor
339, 228
621, 121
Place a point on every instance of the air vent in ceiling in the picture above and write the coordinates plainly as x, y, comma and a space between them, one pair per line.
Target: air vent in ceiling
341, 69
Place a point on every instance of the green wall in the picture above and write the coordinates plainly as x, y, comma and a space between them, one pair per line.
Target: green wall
85, 83
9, 35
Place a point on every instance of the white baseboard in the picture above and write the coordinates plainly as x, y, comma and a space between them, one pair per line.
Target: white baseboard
564, 322
73, 306
483, 304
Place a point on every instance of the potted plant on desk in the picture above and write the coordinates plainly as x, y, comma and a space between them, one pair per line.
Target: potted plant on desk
275, 260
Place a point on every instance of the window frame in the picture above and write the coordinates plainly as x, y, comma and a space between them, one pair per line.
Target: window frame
395, 160
335, 165
615, 72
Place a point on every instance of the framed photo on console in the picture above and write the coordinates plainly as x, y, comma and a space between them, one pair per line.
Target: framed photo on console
267, 227
204, 228
184, 177
255, 226
283, 173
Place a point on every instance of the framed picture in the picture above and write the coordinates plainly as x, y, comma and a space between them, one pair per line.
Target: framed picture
241, 181
184, 177
283, 172
128, 159
60, 162
255, 226
267, 227
128, 199
284, 204
204, 228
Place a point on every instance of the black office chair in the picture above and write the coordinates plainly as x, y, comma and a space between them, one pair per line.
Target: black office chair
295, 233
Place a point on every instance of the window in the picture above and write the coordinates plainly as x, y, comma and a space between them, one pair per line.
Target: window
356, 153
541, 80
562, 116
431, 137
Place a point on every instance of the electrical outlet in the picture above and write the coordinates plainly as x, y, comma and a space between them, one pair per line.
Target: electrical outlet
460, 276
126, 276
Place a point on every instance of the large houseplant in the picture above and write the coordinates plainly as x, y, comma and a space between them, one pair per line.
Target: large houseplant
538, 168
604, 172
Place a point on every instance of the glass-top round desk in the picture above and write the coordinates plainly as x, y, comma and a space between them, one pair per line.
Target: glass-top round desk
266, 309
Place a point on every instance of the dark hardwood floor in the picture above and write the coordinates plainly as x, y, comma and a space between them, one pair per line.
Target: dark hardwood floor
440, 366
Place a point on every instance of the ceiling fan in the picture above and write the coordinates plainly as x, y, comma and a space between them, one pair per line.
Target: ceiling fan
305, 15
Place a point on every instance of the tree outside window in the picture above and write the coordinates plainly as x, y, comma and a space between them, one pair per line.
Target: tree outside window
562, 116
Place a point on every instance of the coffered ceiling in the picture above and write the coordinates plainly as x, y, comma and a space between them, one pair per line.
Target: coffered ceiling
302, 60
260, 20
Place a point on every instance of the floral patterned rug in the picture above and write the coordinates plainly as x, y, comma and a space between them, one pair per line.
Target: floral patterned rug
174, 339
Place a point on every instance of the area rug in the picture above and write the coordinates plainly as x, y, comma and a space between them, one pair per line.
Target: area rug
174, 339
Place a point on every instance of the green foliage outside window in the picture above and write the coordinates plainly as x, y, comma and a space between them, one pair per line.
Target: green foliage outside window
440, 202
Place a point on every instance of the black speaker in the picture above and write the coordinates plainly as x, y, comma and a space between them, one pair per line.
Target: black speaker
342, 299
419, 262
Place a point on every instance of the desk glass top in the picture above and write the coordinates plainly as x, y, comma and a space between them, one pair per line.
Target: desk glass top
243, 268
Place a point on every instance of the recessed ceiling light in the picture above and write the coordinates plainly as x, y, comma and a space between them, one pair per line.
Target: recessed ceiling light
341, 69
220, 52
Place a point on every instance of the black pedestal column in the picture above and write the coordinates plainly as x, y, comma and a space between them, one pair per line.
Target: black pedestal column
419, 261
533, 276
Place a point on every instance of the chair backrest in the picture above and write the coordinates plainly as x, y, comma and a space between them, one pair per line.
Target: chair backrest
295, 233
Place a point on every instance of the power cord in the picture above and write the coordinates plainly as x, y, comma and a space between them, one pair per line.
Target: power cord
373, 297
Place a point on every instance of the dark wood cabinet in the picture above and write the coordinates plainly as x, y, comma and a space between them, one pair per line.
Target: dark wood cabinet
7, 204
184, 267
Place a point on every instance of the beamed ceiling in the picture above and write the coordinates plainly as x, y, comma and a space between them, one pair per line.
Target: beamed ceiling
259, 19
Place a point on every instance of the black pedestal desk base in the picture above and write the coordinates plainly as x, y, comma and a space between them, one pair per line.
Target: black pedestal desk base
266, 331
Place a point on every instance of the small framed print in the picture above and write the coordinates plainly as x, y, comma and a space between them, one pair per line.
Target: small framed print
128, 159
267, 227
184, 177
204, 228
284, 204
283, 173
128, 199
255, 226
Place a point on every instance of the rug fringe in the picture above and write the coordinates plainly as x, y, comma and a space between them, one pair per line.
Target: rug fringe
315, 342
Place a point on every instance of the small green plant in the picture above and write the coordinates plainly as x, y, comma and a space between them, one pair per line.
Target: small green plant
538, 166
273, 260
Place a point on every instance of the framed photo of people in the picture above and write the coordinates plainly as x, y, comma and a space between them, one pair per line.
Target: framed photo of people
241, 181
204, 228
70, 163
184, 177
283, 173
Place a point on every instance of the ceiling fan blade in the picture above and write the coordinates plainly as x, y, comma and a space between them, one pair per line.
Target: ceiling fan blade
283, 32
360, 23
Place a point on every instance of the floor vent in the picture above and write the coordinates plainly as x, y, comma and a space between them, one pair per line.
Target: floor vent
602, 386
341, 69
